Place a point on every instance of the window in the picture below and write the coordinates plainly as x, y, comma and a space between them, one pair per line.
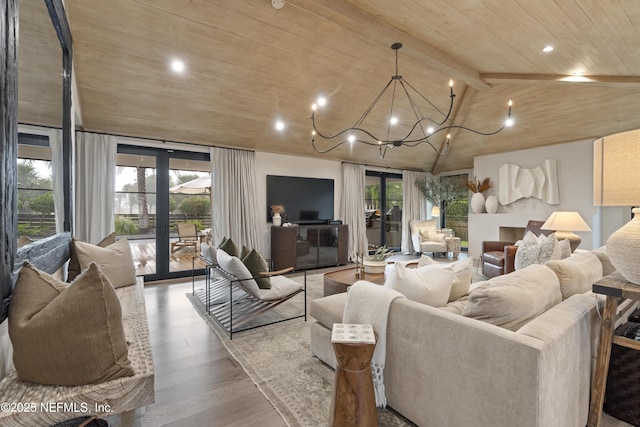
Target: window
383, 209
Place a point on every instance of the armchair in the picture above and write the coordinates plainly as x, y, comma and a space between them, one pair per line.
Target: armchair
425, 236
498, 257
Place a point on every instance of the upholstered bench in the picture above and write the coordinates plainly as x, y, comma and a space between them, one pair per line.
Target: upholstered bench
41, 405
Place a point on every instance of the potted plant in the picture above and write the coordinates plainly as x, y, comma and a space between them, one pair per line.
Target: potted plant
376, 262
478, 188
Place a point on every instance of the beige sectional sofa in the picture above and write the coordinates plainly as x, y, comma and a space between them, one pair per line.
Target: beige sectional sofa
447, 369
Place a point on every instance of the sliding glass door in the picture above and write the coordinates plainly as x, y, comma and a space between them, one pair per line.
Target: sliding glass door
383, 209
160, 209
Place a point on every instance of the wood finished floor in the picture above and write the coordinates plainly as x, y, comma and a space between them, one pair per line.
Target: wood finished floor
197, 382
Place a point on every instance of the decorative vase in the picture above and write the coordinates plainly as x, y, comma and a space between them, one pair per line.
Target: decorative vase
277, 219
491, 204
623, 248
374, 267
477, 203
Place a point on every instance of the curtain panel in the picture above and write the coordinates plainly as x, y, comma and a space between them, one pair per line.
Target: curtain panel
234, 209
57, 167
95, 184
352, 209
414, 206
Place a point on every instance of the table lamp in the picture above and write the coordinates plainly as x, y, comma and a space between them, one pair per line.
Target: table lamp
616, 182
435, 211
564, 224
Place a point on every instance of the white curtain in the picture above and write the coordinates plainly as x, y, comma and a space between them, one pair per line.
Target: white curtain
95, 184
414, 206
352, 210
55, 145
234, 210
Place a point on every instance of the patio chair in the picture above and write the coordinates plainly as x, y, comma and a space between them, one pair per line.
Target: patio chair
187, 236
234, 298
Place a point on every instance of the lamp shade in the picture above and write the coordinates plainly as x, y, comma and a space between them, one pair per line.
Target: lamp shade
616, 175
435, 211
564, 224
565, 221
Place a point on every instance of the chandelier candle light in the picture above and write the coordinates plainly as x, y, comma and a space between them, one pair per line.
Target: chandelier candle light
421, 127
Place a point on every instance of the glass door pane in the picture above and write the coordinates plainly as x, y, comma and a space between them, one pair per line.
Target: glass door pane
456, 213
135, 208
189, 212
373, 206
393, 206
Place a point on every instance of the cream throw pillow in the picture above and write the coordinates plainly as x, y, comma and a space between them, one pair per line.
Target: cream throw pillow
577, 274
535, 253
74, 264
115, 261
67, 334
513, 299
428, 285
462, 274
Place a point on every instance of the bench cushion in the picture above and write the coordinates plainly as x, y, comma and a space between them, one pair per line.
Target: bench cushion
67, 334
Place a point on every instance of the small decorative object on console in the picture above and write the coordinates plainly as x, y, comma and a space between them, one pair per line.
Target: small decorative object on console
352, 333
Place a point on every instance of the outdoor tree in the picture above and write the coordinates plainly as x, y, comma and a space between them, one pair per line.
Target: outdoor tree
195, 206
143, 208
42, 203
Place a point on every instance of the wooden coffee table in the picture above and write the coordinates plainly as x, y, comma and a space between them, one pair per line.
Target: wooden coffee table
338, 281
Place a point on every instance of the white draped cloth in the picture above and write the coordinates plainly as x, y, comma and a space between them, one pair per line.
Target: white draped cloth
368, 303
414, 206
352, 209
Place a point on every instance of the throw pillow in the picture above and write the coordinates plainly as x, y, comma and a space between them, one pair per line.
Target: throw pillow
229, 247
577, 274
565, 248
256, 265
67, 334
513, 299
208, 253
462, 274
115, 261
539, 253
603, 256
427, 285
235, 267
244, 252
74, 264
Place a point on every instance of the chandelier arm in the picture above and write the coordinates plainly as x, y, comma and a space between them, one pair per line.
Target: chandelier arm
393, 97
431, 103
372, 105
313, 144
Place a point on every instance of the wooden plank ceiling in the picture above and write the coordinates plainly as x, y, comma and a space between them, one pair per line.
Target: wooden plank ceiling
249, 64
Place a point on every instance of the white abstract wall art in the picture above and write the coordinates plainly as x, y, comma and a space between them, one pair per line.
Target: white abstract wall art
540, 182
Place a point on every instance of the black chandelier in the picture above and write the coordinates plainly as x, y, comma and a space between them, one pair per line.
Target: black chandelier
412, 136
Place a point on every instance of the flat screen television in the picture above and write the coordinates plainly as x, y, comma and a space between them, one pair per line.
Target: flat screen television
305, 200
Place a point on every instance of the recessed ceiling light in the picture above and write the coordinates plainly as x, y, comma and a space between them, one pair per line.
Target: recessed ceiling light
547, 49
322, 101
279, 125
578, 72
177, 66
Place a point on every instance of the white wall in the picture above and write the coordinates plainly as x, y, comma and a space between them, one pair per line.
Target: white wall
306, 167
575, 181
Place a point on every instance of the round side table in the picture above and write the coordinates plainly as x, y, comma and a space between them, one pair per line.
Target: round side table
354, 401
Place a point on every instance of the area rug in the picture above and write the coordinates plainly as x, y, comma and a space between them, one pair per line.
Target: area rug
279, 361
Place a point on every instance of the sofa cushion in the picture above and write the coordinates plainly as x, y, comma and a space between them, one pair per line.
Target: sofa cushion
577, 273
115, 261
462, 273
74, 264
429, 285
328, 310
209, 253
513, 299
529, 253
67, 334
494, 257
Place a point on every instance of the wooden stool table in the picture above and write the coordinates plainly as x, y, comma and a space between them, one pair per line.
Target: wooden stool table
616, 288
354, 400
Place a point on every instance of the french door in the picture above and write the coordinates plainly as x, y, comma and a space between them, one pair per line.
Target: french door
383, 209
154, 195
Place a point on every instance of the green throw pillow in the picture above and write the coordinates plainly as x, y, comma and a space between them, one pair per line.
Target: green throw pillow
256, 265
245, 251
229, 247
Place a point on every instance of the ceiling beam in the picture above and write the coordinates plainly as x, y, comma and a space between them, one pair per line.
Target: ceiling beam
363, 23
618, 81
457, 116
